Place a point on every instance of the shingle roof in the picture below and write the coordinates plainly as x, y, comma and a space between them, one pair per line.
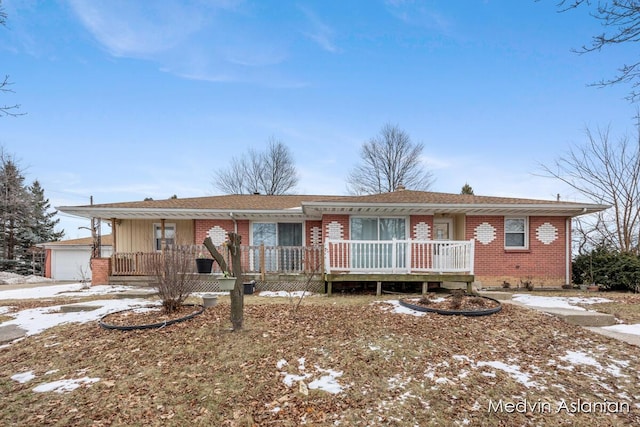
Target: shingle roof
231, 202
252, 206
429, 197
106, 240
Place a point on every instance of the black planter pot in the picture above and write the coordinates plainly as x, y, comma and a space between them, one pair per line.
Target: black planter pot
204, 265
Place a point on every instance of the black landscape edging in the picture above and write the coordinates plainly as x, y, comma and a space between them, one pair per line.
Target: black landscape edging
149, 325
469, 313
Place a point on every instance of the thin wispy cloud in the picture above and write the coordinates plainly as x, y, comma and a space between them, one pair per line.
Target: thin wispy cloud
418, 14
136, 29
321, 33
210, 41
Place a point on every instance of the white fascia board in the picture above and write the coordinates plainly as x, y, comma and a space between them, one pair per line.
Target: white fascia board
151, 213
469, 209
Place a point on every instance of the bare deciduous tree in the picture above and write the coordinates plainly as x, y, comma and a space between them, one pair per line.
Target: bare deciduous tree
6, 110
269, 172
389, 161
237, 294
605, 172
621, 18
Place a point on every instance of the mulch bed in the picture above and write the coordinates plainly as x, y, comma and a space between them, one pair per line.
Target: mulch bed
453, 302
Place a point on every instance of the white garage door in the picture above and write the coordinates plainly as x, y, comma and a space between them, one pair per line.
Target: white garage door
70, 264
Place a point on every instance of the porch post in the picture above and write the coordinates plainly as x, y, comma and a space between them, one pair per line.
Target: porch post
163, 242
379, 288
327, 258
114, 242
262, 263
425, 288
472, 255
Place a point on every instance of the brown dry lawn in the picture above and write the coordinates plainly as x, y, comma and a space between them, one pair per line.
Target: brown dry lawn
396, 370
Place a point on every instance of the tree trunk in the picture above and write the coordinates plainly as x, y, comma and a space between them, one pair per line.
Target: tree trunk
237, 294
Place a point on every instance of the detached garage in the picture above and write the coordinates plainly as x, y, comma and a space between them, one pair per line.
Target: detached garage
69, 259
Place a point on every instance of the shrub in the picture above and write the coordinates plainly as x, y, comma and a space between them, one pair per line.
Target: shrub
527, 283
174, 283
610, 269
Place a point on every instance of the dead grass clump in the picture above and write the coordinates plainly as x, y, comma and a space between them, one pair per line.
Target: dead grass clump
456, 299
425, 300
478, 302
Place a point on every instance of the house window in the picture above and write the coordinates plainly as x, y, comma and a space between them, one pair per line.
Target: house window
378, 228
282, 241
515, 233
169, 235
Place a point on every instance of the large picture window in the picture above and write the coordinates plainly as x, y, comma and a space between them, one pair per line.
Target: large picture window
378, 255
282, 241
515, 233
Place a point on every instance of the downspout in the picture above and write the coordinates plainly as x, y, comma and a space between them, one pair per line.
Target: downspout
235, 223
568, 251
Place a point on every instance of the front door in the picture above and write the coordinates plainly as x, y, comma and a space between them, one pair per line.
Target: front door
442, 230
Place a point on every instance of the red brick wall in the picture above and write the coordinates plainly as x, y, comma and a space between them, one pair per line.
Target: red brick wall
202, 227
309, 226
416, 219
343, 220
543, 264
340, 219
47, 263
100, 271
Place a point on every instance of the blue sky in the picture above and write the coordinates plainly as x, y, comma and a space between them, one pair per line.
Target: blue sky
134, 99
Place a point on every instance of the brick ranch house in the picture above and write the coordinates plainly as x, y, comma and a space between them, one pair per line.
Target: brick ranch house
388, 239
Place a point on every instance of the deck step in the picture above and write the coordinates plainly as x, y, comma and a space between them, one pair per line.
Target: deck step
137, 293
580, 318
9, 333
501, 296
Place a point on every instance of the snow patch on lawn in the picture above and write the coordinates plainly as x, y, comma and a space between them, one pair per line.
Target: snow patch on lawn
52, 291
582, 358
23, 377
513, 371
557, 302
327, 382
286, 294
39, 319
397, 308
7, 278
63, 386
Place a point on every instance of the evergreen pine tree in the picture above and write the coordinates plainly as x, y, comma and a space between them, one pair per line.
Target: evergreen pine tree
466, 189
15, 210
42, 218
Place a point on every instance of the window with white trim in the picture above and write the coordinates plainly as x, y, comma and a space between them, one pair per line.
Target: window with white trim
169, 235
515, 233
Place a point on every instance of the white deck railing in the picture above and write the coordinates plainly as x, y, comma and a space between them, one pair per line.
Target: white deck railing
399, 256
